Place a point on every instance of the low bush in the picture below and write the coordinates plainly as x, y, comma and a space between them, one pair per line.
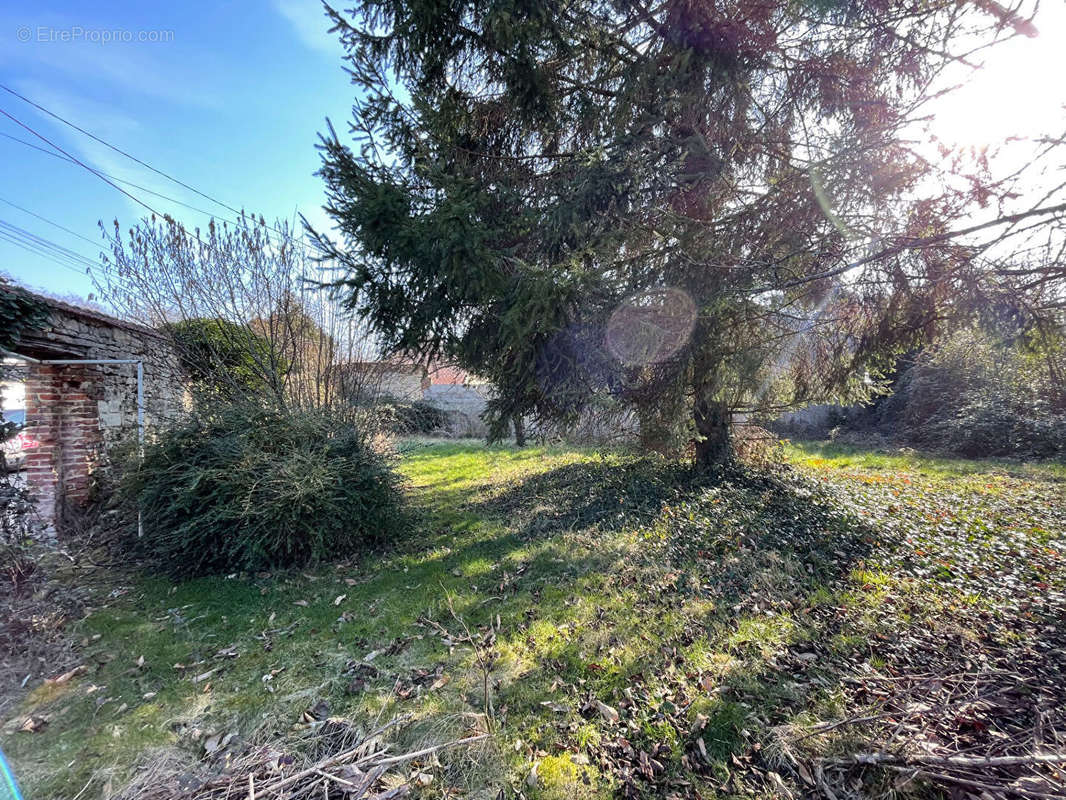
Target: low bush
419, 417
401, 417
241, 487
977, 397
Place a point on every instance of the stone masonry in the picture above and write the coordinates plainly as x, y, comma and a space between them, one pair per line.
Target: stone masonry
76, 412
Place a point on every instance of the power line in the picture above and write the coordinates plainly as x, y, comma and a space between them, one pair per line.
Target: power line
101, 176
51, 250
53, 224
304, 244
79, 163
119, 150
64, 252
44, 248
167, 197
37, 252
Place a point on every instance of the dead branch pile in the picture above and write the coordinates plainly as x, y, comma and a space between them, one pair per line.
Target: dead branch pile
988, 735
346, 766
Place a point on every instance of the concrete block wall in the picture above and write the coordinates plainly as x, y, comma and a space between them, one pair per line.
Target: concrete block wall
462, 404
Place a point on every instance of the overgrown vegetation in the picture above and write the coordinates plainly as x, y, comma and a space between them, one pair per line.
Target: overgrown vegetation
648, 633
403, 417
247, 487
241, 306
20, 312
979, 395
18, 526
222, 358
19, 522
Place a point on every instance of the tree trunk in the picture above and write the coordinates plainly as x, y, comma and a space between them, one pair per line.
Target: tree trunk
712, 432
519, 430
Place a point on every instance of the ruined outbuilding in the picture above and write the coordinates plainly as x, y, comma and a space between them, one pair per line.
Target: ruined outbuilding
75, 412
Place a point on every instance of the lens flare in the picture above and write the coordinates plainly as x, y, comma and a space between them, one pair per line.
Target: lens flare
651, 326
825, 202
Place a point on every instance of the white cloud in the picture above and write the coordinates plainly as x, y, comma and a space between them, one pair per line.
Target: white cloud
162, 70
309, 21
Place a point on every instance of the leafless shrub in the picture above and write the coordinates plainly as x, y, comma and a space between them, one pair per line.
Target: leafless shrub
244, 307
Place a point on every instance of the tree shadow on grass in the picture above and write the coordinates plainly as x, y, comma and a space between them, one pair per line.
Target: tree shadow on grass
607, 495
759, 589
685, 514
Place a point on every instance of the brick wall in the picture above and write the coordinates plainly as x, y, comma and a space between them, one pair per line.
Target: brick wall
76, 413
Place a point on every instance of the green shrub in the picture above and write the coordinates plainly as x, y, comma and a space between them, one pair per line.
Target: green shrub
242, 487
419, 417
226, 359
402, 417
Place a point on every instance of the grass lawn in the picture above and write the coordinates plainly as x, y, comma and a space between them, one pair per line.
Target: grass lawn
642, 631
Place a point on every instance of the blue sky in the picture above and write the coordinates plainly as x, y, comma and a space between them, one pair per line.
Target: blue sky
231, 104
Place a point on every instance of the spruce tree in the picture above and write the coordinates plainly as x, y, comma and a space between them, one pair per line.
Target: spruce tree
699, 208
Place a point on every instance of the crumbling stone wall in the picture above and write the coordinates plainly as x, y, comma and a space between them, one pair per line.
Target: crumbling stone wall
76, 413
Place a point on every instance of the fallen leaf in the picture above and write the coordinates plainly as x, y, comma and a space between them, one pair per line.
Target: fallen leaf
33, 724
66, 676
607, 712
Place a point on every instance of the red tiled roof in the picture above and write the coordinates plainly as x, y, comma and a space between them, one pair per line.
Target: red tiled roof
448, 375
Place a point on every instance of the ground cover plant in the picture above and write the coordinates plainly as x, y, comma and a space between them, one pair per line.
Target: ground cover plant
861, 624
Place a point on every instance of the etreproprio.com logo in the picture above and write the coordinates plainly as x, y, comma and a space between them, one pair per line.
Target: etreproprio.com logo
43, 34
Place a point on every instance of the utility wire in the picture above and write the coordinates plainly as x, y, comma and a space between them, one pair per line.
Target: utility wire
50, 222
46, 140
110, 180
51, 250
167, 197
303, 243
41, 241
37, 252
119, 150
100, 175
45, 248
